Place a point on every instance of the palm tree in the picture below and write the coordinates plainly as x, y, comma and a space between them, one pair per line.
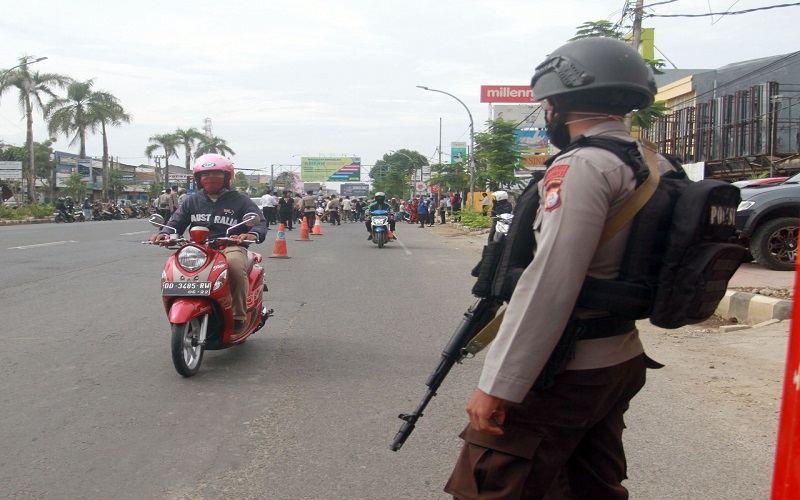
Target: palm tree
32, 86
213, 144
108, 112
168, 143
72, 114
82, 111
187, 139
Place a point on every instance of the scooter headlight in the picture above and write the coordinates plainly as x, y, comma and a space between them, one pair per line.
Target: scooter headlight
380, 220
192, 258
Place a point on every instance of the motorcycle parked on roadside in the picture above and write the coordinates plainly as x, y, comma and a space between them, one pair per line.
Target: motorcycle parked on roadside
196, 294
78, 215
379, 220
60, 216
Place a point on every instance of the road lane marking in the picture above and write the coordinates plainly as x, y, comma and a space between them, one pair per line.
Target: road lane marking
405, 248
137, 232
54, 243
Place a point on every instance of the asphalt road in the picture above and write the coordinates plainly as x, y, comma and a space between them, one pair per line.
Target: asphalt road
307, 407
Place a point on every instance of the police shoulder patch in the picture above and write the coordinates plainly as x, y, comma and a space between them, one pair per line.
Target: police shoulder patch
552, 186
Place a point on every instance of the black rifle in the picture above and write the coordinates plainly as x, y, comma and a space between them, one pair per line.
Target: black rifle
458, 347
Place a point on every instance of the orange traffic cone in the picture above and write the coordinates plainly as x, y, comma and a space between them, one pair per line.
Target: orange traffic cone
279, 251
304, 230
317, 231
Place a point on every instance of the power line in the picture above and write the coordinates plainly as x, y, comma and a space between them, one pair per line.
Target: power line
747, 11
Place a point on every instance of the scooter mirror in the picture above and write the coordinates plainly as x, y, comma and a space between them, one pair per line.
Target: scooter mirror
156, 220
250, 219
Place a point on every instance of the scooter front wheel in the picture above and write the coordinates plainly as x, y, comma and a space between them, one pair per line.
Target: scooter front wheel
187, 354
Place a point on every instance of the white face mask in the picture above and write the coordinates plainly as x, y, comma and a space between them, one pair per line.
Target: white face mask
592, 116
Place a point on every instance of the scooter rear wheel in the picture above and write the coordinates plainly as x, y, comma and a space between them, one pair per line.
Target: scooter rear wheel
186, 353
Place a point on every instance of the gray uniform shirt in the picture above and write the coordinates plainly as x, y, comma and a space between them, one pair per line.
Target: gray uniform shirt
581, 190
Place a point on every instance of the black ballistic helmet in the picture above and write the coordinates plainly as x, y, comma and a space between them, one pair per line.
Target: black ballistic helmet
595, 74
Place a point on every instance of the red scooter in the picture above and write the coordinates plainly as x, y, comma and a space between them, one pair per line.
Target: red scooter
197, 298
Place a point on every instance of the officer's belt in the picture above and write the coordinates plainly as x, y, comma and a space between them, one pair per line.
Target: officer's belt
608, 326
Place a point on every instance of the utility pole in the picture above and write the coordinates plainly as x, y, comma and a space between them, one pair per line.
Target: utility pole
637, 24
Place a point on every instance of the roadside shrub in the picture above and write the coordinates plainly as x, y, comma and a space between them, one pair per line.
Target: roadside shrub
33, 211
475, 220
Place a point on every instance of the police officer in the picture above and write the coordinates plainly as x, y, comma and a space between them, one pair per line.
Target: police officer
565, 440
309, 208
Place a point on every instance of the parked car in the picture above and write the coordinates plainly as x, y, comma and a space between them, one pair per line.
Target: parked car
767, 223
768, 181
259, 202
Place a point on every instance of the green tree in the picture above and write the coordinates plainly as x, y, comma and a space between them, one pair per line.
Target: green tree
81, 112
188, 138
153, 191
450, 177
591, 29
114, 183
213, 144
75, 186
394, 172
240, 182
43, 160
32, 86
73, 114
167, 143
109, 112
496, 155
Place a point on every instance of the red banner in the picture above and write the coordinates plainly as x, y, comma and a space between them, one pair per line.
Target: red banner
507, 93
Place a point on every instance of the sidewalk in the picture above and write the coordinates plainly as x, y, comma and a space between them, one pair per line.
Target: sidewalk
754, 305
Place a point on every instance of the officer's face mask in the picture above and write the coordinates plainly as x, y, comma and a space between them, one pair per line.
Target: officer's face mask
556, 128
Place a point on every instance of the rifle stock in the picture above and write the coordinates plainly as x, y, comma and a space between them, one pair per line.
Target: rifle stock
475, 319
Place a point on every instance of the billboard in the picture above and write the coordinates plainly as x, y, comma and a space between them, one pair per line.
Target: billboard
334, 169
66, 162
355, 190
532, 142
458, 152
506, 93
525, 115
10, 170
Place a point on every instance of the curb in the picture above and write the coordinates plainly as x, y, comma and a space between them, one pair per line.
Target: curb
752, 308
26, 221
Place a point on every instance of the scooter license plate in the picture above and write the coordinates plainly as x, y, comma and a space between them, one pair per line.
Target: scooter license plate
177, 288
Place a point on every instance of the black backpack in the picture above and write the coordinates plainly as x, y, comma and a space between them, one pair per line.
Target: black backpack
679, 256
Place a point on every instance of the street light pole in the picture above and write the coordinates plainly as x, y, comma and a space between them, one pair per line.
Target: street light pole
27, 62
471, 137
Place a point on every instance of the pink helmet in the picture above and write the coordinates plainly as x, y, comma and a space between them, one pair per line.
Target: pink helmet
213, 161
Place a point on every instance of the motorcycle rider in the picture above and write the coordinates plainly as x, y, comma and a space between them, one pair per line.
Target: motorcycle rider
501, 205
218, 207
380, 203
62, 209
70, 207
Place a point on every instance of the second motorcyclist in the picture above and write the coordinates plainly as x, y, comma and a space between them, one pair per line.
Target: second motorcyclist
217, 207
380, 203
61, 206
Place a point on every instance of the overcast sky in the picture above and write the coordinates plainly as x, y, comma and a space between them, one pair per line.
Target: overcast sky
284, 79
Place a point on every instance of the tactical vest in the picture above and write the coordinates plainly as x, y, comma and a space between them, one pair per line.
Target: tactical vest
678, 259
